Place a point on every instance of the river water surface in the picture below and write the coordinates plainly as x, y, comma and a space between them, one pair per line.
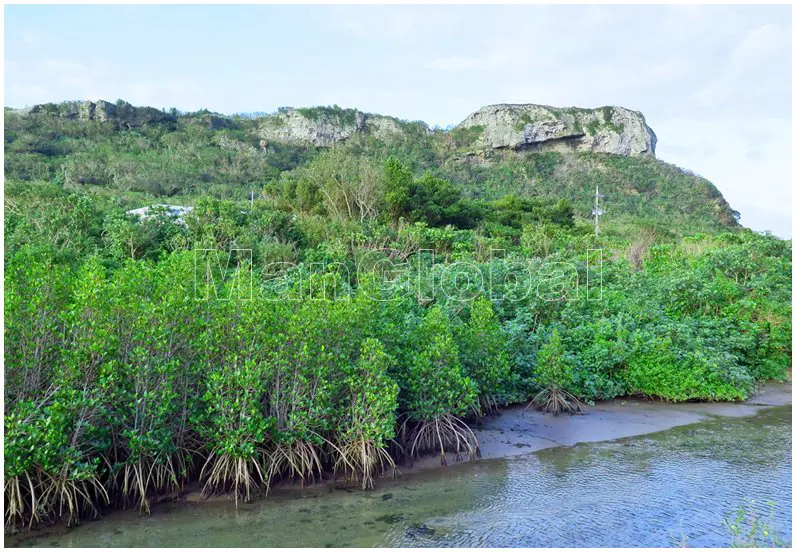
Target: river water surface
664, 489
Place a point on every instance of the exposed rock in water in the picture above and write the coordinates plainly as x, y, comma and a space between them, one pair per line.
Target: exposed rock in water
613, 130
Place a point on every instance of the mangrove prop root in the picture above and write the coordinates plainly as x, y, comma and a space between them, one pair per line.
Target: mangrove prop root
301, 459
71, 497
364, 459
32, 497
148, 475
554, 400
445, 433
20, 503
242, 475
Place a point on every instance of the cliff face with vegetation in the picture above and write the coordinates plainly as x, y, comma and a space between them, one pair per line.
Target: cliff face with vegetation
613, 130
526, 149
323, 127
122, 114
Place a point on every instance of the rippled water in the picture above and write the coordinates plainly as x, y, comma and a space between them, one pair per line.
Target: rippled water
658, 490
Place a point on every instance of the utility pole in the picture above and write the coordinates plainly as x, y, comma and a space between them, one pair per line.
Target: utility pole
252, 203
597, 211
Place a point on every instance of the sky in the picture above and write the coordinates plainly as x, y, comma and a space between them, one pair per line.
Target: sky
714, 82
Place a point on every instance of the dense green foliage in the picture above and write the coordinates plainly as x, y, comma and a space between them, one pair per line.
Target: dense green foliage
333, 339
195, 154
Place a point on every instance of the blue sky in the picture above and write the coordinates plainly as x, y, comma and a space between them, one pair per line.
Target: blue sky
714, 82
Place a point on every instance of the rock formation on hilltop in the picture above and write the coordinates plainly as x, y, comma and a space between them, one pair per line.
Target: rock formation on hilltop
526, 150
614, 130
122, 113
323, 126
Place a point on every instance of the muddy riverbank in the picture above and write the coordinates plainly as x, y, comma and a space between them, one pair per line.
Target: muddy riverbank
519, 430
506, 441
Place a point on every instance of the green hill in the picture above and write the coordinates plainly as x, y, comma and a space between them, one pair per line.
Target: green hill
137, 155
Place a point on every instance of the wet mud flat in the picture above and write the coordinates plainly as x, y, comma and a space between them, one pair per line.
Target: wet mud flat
519, 430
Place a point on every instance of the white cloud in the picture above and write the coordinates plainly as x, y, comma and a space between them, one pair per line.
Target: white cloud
495, 61
754, 71
667, 69
53, 79
760, 45
711, 95
689, 12
29, 38
749, 160
398, 24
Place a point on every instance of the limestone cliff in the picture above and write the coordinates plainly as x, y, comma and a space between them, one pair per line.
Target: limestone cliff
323, 126
121, 113
614, 130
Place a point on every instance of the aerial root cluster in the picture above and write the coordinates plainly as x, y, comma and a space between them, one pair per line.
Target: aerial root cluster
446, 433
554, 400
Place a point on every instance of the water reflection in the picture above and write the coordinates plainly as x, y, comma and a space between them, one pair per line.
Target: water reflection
644, 491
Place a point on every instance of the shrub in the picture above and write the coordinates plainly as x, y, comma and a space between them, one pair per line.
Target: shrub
554, 374
484, 358
660, 368
237, 428
436, 392
367, 413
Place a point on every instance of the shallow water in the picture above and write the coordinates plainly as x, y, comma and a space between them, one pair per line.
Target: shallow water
657, 490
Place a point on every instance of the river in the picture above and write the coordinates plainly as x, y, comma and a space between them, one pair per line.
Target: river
668, 488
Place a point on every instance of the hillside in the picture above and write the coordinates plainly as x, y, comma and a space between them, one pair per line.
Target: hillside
139, 154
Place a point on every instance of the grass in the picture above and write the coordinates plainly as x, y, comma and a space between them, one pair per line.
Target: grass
525, 119
344, 116
749, 529
608, 115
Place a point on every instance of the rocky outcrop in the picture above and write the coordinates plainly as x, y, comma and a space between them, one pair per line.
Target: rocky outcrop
614, 130
214, 121
120, 113
324, 126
